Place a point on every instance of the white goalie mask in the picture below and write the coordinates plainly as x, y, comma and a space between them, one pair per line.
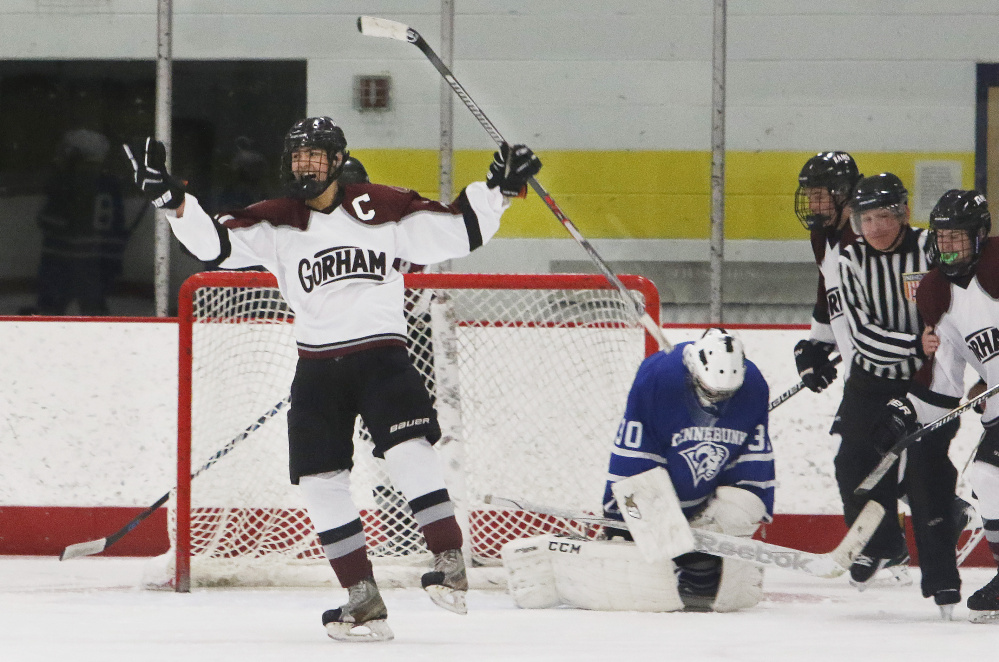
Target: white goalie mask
717, 365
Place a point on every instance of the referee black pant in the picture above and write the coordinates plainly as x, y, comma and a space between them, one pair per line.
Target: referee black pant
930, 480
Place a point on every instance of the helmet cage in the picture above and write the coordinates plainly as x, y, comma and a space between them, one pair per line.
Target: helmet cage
812, 220
835, 172
955, 264
312, 133
959, 210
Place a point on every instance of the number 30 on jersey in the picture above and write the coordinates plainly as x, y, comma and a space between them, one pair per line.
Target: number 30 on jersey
629, 434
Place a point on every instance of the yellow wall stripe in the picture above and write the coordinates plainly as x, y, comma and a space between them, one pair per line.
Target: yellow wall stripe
647, 195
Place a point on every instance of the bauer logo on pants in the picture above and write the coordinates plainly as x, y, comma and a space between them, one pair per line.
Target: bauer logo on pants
408, 424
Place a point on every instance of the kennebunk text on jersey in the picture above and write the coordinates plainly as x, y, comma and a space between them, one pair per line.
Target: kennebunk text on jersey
340, 263
724, 435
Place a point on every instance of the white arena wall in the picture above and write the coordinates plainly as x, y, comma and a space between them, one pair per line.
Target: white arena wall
801, 75
879, 78
88, 420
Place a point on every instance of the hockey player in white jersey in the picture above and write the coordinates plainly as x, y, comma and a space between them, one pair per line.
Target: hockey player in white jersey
333, 248
822, 204
701, 413
959, 303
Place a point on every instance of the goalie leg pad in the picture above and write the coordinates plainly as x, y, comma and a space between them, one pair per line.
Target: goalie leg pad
735, 512
612, 576
529, 573
741, 586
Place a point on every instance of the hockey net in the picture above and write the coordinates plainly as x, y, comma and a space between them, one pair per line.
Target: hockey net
529, 374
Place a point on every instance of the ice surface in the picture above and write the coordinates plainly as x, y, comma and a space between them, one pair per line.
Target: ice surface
90, 609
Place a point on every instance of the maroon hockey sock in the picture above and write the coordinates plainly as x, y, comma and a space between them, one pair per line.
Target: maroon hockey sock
442, 535
352, 567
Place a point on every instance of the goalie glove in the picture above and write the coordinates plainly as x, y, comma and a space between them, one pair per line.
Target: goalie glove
811, 357
160, 187
511, 168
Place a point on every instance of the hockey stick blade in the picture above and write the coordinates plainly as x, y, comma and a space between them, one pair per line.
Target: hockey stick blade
893, 453
827, 566
371, 26
97, 546
786, 395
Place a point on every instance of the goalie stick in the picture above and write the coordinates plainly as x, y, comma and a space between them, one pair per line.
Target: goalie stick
98, 546
893, 453
371, 26
780, 399
829, 565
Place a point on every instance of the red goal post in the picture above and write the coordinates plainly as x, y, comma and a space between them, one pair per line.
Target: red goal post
529, 373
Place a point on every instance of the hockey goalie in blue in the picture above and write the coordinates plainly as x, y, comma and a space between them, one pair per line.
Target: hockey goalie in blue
700, 414
700, 411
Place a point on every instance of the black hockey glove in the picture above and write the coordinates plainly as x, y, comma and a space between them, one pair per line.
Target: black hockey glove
511, 168
900, 421
814, 368
162, 189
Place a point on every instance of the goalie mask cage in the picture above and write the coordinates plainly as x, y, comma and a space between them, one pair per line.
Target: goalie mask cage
529, 375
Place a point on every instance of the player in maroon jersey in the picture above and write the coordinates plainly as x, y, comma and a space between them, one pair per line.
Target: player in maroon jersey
334, 250
959, 303
822, 204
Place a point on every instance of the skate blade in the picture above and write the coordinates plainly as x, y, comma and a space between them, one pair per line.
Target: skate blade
895, 575
447, 598
376, 630
990, 616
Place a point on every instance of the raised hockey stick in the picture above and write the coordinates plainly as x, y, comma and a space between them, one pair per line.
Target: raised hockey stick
780, 399
895, 451
371, 26
829, 565
98, 546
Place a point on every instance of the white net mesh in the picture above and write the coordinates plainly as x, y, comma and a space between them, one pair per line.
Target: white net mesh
529, 385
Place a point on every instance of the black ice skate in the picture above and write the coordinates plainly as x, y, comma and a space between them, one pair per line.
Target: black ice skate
984, 603
363, 618
447, 583
865, 569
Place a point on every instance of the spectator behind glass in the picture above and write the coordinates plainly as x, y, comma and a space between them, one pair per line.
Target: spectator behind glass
83, 228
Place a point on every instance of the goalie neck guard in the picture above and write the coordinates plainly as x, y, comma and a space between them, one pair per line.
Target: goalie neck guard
717, 365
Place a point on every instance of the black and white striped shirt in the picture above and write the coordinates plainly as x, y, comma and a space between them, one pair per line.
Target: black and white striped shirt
879, 296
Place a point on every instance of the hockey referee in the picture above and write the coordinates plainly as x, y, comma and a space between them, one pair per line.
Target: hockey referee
879, 274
